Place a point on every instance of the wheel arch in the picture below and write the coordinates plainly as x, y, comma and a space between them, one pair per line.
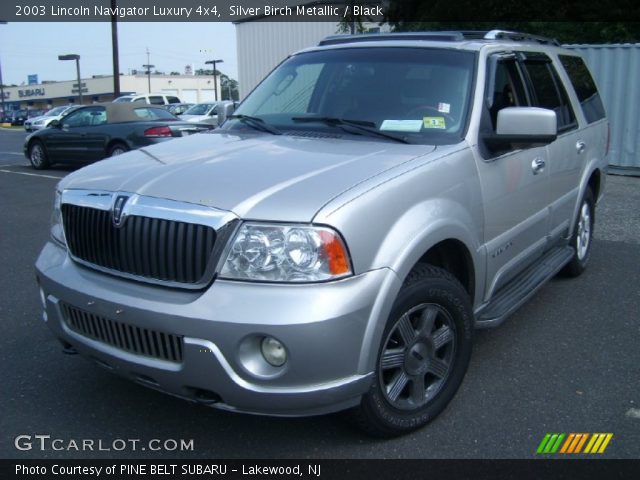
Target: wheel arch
116, 141
445, 244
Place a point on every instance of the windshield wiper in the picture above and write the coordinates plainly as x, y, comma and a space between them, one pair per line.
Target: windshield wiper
257, 123
359, 126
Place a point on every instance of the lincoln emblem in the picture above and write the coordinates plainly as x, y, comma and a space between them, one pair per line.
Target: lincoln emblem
117, 211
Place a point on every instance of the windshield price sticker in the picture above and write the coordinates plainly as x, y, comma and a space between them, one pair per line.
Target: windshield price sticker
401, 125
434, 122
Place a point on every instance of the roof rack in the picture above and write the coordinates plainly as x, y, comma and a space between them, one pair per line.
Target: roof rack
443, 36
377, 37
519, 37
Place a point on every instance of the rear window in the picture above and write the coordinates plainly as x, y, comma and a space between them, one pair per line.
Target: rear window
585, 87
150, 114
156, 100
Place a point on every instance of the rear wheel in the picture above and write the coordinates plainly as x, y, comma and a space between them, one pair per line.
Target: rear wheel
38, 156
117, 149
582, 237
425, 351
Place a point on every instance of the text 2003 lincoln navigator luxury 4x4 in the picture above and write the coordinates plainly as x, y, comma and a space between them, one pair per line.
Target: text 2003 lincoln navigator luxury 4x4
335, 243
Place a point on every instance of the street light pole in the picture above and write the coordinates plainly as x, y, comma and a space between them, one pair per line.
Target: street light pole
148, 67
76, 57
4, 111
114, 51
215, 81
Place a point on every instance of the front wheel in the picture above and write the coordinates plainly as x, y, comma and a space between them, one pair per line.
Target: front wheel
424, 355
38, 156
582, 237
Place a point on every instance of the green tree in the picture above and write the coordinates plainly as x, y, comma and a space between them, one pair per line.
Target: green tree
587, 27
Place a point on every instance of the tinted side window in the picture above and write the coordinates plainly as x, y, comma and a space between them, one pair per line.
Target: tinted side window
173, 99
549, 91
585, 87
86, 117
507, 89
156, 100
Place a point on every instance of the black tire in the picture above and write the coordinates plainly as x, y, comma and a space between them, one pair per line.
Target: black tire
429, 330
117, 149
38, 156
582, 237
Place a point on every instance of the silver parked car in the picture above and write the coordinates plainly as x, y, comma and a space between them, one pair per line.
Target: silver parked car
204, 112
43, 121
336, 242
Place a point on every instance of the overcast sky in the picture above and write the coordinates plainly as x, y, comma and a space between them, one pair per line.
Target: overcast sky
33, 48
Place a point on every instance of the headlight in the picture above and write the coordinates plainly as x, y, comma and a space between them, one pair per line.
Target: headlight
57, 232
286, 253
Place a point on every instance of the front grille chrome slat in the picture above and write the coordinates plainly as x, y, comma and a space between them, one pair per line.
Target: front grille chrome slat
144, 247
137, 340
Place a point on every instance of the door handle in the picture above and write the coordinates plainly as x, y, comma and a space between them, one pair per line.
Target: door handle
581, 146
538, 165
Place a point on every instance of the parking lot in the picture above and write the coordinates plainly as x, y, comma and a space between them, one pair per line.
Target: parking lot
568, 361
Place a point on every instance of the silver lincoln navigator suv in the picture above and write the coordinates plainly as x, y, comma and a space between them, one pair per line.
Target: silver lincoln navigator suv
336, 242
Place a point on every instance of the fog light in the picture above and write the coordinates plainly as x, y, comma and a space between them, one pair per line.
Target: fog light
273, 351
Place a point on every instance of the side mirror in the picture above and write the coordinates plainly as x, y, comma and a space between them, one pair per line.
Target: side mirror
225, 111
55, 124
527, 126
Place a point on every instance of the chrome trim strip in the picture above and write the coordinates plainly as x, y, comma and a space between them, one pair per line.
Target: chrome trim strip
150, 207
212, 348
160, 208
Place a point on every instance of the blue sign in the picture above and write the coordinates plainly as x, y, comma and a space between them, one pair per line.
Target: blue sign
32, 79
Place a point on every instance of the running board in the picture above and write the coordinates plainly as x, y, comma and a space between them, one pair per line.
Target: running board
522, 288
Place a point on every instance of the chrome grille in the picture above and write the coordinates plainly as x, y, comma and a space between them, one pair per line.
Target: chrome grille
140, 341
152, 248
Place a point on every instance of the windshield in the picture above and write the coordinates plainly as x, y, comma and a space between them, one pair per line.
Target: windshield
55, 111
419, 94
200, 109
123, 99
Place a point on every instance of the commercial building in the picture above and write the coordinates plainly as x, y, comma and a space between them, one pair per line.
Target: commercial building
189, 88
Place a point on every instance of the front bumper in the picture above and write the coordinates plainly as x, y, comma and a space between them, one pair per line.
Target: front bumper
326, 329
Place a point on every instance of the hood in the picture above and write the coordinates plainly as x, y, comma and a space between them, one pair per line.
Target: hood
256, 176
41, 118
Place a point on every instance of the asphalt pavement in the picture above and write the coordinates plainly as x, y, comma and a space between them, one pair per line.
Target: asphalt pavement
567, 361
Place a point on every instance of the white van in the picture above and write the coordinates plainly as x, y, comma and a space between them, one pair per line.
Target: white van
152, 98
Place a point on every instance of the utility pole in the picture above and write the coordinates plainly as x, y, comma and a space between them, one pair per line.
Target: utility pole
114, 51
215, 82
148, 66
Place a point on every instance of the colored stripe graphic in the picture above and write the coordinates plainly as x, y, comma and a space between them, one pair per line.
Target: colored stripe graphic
565, 447
574, 443
550, 443
598, 443
543, 443
581, 443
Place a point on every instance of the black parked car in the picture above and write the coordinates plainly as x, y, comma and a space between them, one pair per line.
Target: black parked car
16, 117
98, 131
